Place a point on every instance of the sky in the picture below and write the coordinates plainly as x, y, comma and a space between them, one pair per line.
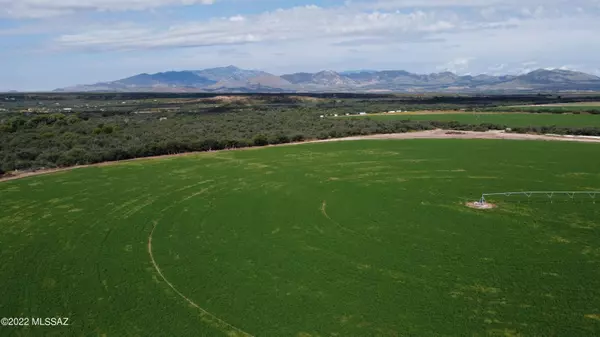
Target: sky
47, 44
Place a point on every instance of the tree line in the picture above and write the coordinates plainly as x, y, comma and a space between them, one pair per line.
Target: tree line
58, 140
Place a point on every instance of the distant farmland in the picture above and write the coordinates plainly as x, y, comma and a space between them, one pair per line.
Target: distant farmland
356, 238
566, 105
508, 119
591, 107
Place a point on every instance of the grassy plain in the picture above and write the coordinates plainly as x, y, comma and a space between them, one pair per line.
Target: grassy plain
553, 108
574, 104
364, 238
508, 119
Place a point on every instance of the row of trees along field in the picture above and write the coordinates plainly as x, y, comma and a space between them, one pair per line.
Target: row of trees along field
36, 141
57, 140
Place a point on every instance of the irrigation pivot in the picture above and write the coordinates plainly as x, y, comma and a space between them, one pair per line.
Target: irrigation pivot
549, 194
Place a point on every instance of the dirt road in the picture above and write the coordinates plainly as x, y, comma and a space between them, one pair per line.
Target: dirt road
453, 134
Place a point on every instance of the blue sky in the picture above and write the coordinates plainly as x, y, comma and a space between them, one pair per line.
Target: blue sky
46, 44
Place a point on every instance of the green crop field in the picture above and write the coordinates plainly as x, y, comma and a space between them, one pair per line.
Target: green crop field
551, 108
508, 119
362, 238
566, 105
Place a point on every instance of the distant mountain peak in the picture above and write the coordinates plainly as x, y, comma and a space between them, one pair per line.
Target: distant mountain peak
226, 68
359, 71
233, 79
545, 76
328, 73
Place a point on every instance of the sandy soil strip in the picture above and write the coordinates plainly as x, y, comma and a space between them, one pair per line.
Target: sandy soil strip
430, 134
454, 134
206, 316
437, 112
562, 105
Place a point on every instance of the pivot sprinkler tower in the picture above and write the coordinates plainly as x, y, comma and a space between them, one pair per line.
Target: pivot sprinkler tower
549, 194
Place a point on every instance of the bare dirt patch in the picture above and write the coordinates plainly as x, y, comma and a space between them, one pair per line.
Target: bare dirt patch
478, 205
227, 99
593, 316
306, 99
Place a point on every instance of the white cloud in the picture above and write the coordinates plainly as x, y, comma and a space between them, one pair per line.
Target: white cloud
237, 18
299, 23
308, 34
48, 8
458, 65
360, 21
387, 4
465, 36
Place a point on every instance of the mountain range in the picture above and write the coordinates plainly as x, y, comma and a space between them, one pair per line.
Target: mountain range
234, 79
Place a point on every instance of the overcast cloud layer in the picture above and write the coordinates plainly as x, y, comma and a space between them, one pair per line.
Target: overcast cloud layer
53, 43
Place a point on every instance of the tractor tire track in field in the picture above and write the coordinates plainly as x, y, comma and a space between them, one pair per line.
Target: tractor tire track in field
206, 316
344, 228
324, 211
